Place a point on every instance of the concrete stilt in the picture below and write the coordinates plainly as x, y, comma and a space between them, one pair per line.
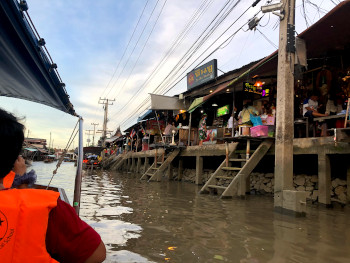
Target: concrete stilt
199, 169
128, 166
285, 108
348, 183
324, 179
138, 165
170, 172
180, 171
133, 165
146, 164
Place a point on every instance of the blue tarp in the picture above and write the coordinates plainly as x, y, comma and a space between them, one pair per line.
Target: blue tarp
25, 70
31, 149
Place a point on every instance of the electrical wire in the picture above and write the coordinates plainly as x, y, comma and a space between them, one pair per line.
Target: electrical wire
173, 85
267, 39
132, 52
167, 88
193, 45
126, 48
149, 35
191, 23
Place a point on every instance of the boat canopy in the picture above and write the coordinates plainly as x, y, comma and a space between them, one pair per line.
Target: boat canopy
26, 72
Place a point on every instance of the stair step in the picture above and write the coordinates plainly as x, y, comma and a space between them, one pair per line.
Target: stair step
148, 174
155, 168
231, 168
217, 186
224, 177
237, 160
160, 163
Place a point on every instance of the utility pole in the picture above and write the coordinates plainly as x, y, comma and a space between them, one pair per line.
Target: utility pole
106, 102
284, 199
88, 134
93, 136
28, 134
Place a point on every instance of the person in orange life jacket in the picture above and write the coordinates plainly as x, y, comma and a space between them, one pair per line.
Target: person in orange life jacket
36, 226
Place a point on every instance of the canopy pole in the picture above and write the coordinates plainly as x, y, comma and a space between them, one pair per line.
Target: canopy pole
77, 186
233, 111
189, 130
161, 135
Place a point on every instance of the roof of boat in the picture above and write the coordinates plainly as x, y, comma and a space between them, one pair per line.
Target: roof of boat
26, 68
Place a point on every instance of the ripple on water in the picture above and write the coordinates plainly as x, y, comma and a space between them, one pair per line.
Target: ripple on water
170, 222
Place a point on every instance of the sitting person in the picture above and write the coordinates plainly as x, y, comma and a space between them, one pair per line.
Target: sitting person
310, 107
168, 129
244, 115
36, 225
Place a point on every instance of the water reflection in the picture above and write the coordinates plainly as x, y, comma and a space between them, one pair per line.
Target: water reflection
170, 222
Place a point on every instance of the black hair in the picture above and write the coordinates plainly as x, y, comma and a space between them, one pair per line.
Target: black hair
12, 137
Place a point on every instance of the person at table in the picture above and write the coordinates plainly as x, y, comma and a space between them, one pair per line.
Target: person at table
244, 115
310, 107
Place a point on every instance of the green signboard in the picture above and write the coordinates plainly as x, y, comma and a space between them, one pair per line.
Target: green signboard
222, 111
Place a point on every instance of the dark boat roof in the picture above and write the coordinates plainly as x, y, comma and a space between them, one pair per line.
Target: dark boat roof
26, 68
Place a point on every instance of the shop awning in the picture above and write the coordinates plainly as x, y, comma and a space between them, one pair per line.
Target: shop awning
146, 115
26, 72
161, 102
112, 139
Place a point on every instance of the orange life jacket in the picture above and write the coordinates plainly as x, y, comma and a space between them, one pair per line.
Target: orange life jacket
24, 215
8, 180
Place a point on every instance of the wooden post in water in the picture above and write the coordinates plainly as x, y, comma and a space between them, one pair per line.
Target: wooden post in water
189, 130
285, 106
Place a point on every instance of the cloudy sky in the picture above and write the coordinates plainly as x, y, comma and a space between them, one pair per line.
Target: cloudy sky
125, 49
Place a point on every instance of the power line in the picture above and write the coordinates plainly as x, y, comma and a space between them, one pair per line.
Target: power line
149, 18
171, 86
127, 46
149, 35
201, 39
190, 24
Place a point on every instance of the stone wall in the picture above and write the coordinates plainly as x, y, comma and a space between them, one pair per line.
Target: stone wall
264, 184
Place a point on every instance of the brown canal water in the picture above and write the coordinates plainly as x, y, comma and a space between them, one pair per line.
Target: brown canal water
170, 222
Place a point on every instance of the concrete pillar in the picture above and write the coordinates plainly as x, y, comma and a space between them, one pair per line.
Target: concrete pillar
181, 169
324, 179
285, 109
199, 169
170, 172
133, 165
348, 182
128, 167
138, 166
146, 164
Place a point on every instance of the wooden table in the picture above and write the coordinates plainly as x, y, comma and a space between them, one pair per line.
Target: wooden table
325, 118
329, 117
